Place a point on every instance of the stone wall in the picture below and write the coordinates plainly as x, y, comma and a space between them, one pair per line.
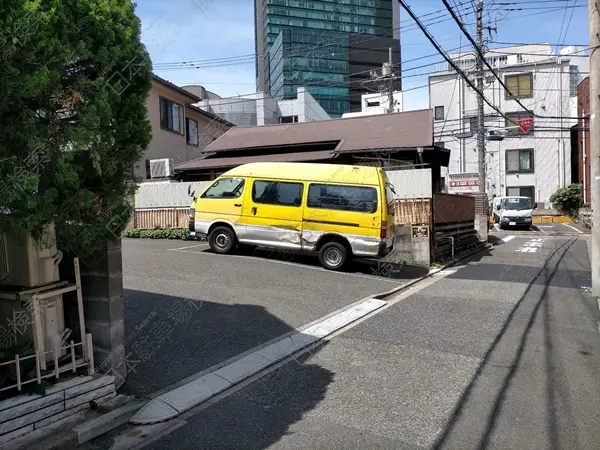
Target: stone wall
24, 414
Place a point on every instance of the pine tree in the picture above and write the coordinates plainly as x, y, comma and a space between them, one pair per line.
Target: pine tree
74, 79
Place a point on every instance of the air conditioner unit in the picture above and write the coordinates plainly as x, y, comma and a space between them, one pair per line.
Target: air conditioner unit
28, 264
19, 320
161, 168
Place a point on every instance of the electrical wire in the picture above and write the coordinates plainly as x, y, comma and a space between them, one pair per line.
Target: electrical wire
484, 60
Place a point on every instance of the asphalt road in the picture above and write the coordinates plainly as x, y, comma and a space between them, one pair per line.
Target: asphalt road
502, 353
182, 300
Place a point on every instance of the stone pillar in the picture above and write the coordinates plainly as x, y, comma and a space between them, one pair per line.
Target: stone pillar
102, 289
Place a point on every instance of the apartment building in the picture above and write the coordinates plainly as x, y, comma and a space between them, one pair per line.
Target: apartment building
180, 131
531, 160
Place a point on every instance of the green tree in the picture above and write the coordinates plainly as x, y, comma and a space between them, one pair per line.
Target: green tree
74, 79
567, 200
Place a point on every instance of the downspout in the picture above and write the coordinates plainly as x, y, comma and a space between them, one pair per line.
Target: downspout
585, 116
460, 121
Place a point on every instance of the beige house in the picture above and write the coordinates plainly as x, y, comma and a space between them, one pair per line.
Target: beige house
180, 131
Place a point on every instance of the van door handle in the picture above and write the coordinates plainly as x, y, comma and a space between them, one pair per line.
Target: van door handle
237, 204
254, 209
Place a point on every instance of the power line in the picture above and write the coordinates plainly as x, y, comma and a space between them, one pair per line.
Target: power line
482, 56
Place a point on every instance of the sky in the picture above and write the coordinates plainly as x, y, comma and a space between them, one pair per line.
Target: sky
203, 31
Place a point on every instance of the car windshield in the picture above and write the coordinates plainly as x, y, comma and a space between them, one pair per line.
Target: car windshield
518, 204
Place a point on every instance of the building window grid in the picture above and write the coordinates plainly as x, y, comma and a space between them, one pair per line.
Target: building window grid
519, 161
519, 86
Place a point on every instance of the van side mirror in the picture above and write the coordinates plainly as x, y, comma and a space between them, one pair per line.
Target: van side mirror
534, 205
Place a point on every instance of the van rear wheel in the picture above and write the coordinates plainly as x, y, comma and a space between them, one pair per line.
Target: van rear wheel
333, 256
222, 240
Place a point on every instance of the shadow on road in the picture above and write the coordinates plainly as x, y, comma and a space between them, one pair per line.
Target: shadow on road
490, 406
168, 339
395, 271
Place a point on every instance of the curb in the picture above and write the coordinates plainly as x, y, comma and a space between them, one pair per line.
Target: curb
202, 388
395, 290
171, 404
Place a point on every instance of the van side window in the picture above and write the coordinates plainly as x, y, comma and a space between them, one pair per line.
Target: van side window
225, 188
277, 193
344, 198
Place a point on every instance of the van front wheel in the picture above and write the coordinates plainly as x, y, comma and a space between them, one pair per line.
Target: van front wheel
333, 256
222, 240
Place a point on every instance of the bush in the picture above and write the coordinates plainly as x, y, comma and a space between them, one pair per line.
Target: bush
157, 233
567, 200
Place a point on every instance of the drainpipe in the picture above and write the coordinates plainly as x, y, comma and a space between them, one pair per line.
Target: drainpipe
585, 116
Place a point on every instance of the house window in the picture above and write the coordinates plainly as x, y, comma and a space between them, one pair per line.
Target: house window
277, 193
519, 86
512, 123
342, 198
171, 115
192, 131
521, 191
288, 119
519, 161
439, 113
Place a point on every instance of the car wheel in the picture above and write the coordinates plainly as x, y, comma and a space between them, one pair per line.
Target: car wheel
222, 240
333, 256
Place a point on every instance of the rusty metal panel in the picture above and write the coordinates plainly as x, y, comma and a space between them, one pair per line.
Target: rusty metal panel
450, 208
414, 183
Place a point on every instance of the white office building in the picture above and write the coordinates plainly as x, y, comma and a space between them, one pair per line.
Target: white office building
259, 108
534, 162
377, 103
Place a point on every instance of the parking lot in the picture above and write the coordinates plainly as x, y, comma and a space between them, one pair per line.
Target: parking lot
181, 299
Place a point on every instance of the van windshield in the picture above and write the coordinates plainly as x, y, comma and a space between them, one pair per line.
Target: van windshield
517, 204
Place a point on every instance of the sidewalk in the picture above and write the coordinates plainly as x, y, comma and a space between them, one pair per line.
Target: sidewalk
504, 353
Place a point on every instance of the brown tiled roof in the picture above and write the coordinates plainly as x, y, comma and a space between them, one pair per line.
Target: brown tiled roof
399, 130
215, 163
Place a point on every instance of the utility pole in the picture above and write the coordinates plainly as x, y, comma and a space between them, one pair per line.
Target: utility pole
388, 77
480, 111
594, 26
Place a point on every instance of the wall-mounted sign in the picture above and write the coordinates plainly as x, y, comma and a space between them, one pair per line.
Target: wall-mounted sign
462, 183
420, 232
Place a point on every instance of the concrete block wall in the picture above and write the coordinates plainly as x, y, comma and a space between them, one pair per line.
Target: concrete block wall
102, 289
24, 414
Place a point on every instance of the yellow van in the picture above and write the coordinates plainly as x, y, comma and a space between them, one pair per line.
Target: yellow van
339, 211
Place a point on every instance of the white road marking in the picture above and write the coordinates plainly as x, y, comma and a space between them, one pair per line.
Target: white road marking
526, 250
321, 269
508, 238
189, 246
573, 228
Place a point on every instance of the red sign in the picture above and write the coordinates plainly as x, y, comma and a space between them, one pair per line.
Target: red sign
525, 124
463, 183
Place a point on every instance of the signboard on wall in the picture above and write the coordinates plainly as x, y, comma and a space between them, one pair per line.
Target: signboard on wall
420, 232
462, 183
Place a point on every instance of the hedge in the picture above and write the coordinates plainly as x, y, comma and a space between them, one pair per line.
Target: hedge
157, 233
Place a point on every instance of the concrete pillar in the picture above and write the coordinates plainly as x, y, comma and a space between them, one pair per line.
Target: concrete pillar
482, 226
102, 289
